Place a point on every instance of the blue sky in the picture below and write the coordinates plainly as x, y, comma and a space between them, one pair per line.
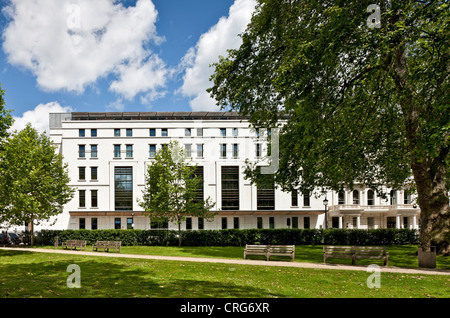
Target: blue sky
108, 55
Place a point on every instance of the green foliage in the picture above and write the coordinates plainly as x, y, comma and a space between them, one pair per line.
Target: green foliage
6, 119
171, 188
236, 237
33, 179
356, 104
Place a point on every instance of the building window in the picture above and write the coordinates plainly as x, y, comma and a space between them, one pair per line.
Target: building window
116, 151
235, 132
164, 132
295, 222
235, 151
201, 223
200, 191
406, 197
187, 132
306, 199
393, 197
129, 151
236, 222
370, 222
223, 132
370, 197
129, 132
258, 150
123, 183
94, 173
265, 195
188, 150
355, 197
152, 132
200, 151
189, 223
259, 222
116, 132
94, 223
82, 198
152, 151
230, 188
82, 223
129, 223
223, 150
81, 151
271, 222
294, 197
341, 197
94, 198
306, 222
81, 133
117, 223
93, 132
82, 173
94, 151
199, 132
224, 223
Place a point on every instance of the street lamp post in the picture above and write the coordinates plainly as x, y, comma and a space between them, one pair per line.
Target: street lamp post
325, 203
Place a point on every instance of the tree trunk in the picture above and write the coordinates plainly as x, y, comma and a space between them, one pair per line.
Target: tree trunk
429, 172
31, 232
179, 234
434, 207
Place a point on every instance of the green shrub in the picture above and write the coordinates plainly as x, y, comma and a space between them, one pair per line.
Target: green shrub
236, 237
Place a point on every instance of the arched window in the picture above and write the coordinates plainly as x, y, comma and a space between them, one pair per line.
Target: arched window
355, 197
370, 197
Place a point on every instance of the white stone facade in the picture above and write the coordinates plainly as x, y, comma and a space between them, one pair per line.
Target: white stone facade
94, 145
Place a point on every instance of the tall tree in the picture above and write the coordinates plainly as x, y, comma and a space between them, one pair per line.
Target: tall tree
364, 96
171, 189
33, 179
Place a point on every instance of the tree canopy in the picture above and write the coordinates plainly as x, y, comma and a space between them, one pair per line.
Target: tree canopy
33, 179
172, 187
358, 101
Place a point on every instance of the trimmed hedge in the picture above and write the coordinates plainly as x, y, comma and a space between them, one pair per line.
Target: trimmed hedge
235, 237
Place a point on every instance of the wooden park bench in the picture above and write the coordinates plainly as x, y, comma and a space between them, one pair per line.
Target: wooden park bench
270, 250
73, 244
106, 245
356, 252
255, 250
281, 250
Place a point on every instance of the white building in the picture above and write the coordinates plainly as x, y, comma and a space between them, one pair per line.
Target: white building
107, 155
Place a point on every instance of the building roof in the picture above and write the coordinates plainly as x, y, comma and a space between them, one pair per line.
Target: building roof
158, 116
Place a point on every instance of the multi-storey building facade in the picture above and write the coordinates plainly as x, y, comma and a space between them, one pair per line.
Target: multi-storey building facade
108, 155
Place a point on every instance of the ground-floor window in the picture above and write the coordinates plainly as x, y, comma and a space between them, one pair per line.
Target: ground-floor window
295, 222
82, 223
236, 222
94, 223
117, 224
306, 222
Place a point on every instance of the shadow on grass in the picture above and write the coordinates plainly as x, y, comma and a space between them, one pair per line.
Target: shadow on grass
33, 275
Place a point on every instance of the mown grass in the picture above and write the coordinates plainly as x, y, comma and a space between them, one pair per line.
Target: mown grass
33, 275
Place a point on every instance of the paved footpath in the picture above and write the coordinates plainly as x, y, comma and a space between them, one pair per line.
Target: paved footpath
383, 269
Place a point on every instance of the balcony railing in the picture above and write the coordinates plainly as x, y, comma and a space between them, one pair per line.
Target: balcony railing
372, 208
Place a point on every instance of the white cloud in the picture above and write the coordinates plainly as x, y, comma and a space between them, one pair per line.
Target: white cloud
212, 44
69, 45
39, 116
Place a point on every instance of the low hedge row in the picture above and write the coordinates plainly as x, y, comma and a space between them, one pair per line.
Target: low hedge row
235, 237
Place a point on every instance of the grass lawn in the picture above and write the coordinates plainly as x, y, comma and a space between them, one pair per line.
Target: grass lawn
27, 274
